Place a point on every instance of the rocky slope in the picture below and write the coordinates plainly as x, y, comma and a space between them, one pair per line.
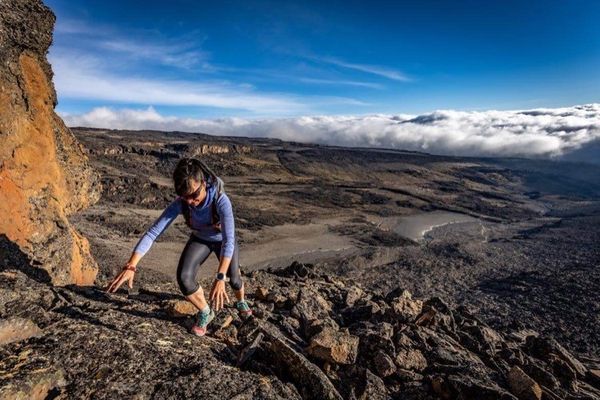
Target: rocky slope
529, 259
44, 174
312, 337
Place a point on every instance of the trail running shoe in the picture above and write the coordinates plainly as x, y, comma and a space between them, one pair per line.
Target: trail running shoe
202, 321
244, 309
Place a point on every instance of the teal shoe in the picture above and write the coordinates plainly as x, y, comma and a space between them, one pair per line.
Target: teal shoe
202, 321
243, 308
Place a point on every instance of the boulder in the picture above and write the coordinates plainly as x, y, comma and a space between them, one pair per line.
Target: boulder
261, 293
384, 365
353, 294
404, 308
406, 376
180, 308
374, 388
308, 378
469, 387
440, 387
539, 374
333, 346
277, 299
318, 325
374, 337
488, 340
362, 310
35, 385
437, 314
296, 270
594, 377
411, 359
522, 386
545, 348
310, 306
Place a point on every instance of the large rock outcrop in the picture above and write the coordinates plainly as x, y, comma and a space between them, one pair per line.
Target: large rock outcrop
44, 173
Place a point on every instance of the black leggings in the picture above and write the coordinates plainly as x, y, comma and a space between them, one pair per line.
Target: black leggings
194, 254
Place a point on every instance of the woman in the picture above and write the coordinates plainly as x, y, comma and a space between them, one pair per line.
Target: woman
208, 212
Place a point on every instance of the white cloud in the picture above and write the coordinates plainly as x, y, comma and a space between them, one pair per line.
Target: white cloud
84, 76
370, 69
168, 53
341, 82
78, 77
530, 133
133, 45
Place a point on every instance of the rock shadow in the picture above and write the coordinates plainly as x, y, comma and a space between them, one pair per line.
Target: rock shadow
12, 257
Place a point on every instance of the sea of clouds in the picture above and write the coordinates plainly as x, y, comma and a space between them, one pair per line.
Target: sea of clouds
544, 132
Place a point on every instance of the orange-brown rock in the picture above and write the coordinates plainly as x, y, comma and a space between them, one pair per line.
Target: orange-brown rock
333, 346
44, 174
181, 308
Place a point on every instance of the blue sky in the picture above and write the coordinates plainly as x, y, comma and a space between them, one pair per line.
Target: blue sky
255, 59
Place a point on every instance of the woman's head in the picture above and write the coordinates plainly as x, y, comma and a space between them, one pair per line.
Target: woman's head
190, 177
188, 174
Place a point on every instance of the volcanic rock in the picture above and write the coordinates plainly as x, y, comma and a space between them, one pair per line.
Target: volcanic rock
353, 295
311, 380
261, 293
546, 348
180, 308
411, 359
275, 359
334, 346
44, 174
384, 365
31, 384
310, 306
405, 309
374, 388
522, 385
15, 329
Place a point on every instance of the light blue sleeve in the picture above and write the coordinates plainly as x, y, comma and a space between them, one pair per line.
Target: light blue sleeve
159, 226
227, 225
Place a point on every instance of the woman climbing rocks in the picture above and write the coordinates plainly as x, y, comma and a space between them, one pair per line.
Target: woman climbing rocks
208, 212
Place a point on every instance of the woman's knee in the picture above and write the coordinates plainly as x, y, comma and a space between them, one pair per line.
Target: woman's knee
187, 285
235, 279
193, 255
236, 283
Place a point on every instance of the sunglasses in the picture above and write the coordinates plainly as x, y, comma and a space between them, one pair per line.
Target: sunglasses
194, 195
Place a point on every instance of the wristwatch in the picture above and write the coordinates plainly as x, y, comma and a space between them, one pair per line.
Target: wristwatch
220, 276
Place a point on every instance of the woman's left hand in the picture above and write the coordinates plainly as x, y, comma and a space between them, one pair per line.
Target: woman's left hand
218, 295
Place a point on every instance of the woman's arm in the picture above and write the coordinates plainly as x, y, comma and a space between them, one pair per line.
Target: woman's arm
225, 210
218, 294
157, 228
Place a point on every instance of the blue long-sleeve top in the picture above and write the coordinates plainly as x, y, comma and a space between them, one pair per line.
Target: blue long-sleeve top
201, 223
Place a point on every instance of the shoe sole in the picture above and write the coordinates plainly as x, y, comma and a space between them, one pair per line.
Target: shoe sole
245, 315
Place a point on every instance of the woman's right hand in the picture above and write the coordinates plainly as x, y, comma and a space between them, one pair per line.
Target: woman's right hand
126, 275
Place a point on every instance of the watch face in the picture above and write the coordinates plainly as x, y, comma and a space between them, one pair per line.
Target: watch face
220, 276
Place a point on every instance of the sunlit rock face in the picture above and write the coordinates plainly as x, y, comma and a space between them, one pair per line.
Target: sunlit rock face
44, 174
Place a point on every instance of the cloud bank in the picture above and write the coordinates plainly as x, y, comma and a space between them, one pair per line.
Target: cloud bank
548, 133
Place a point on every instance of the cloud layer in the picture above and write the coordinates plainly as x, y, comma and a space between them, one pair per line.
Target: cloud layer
529, 133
